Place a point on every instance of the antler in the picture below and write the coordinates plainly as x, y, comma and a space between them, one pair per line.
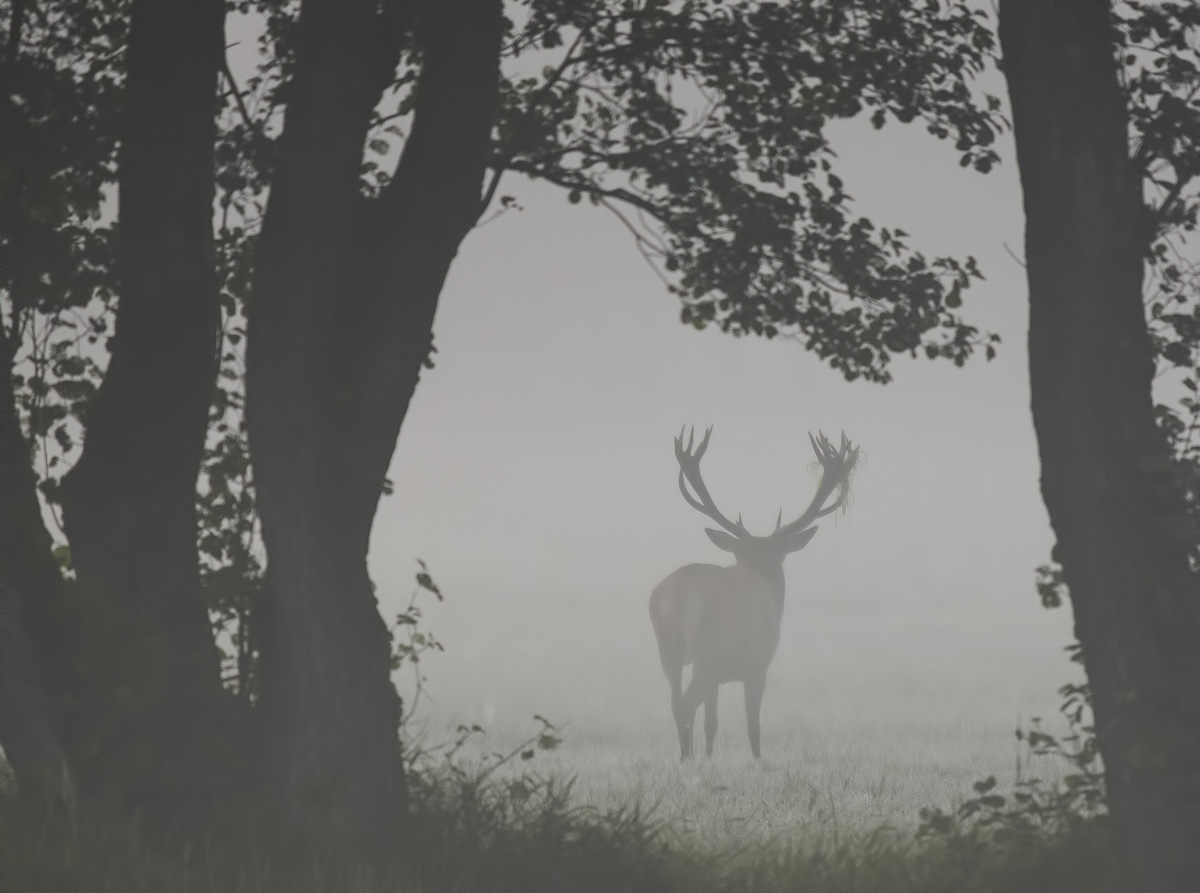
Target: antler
689, 473
836, 468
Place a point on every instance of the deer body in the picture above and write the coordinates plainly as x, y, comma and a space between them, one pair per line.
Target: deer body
724, 621
724, 618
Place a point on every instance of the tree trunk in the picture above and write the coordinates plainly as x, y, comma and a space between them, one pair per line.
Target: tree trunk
1107, 471
345, 291
130, 501
27, 732
34, 649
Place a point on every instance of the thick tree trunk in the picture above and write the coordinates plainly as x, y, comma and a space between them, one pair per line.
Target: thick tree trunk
344, 297
130, 501
34, 648
1122, 529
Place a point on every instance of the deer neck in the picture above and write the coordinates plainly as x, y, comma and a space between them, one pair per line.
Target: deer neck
773, 575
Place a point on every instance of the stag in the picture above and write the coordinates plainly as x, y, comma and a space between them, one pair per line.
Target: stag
724, 621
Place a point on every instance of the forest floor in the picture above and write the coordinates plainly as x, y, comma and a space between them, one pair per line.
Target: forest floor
869, 717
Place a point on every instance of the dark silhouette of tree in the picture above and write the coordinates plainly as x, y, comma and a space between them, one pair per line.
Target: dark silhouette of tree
1109, 480
57, 140
129, 502
339, 325
699, 127
123, 653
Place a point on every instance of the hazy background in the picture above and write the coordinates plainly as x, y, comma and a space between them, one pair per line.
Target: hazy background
535, 474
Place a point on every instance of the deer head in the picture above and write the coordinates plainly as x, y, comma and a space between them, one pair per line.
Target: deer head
765, 554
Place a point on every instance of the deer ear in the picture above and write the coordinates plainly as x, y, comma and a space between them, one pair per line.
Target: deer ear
722, 540
798, 540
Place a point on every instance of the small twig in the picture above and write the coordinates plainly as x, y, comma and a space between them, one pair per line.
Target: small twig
237, 94
639, 240
1013, 255
509, 152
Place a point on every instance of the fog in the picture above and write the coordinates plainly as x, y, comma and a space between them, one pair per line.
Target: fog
538, 456
536, 477
535, 472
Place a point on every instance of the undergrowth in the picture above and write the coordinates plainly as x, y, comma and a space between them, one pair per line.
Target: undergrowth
473, 840
474, 827
497, 823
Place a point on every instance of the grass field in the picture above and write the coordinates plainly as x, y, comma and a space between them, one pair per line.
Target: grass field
868, 716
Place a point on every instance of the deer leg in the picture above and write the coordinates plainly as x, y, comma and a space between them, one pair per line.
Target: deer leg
695, 693
710, 719
683, 723
754, 694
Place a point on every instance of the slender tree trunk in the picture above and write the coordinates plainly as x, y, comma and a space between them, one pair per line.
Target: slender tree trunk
344, 297
130, 501
1122, 528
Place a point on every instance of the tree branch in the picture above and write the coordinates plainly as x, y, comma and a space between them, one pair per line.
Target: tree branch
16, 30
455, 106
12, 48
509, 152
237, 93
589, 188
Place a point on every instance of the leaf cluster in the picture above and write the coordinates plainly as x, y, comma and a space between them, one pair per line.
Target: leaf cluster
410, 642
1160, 70
1037, 812
701, 126
60, 97
60, 100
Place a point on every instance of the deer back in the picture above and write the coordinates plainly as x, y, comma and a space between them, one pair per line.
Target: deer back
724, 619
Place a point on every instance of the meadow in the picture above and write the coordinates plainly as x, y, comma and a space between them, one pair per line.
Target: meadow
869, 714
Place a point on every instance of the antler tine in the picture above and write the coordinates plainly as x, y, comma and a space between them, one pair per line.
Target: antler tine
821, 446
689, 473
681, 451
836, 465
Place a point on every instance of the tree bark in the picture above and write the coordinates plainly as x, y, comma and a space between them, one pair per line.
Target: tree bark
130, 501
34, 649
345, 292
30, 739
1107, 471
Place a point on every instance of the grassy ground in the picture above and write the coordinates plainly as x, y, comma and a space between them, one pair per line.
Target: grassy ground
481, 839
868, 718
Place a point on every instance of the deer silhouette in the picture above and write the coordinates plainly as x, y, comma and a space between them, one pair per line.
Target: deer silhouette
724, 621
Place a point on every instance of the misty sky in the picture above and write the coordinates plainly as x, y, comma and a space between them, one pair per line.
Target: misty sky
536, 459
537, 455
